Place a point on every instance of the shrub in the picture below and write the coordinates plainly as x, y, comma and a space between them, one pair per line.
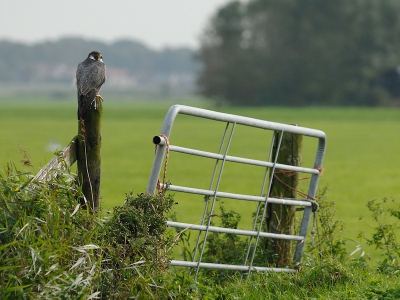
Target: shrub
136, 245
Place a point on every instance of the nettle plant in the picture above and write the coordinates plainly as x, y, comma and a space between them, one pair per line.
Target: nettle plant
386, 214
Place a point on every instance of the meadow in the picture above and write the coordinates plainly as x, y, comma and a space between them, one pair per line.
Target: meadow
361, 161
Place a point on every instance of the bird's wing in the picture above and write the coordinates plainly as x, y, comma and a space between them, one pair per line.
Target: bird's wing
82, 79
89, 77
100, 75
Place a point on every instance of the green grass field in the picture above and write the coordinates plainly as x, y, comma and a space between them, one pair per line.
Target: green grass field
361, 162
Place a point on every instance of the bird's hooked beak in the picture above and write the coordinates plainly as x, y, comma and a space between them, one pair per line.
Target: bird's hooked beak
100, 58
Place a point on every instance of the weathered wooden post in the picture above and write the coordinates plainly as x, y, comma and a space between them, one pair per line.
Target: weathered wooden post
89, 156
280, 218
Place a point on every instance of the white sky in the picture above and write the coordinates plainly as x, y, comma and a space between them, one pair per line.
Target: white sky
157, 23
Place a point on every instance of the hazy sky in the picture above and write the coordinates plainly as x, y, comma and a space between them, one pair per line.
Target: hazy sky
157, 23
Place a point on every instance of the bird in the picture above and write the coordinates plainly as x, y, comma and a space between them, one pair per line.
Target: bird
90, 76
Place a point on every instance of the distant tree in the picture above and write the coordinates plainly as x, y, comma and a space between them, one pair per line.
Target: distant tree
300, 52
224, 58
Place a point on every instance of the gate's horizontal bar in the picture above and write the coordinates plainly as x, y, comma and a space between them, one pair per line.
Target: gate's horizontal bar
218, 116
235, 231
241, 159
177, 188
181, 263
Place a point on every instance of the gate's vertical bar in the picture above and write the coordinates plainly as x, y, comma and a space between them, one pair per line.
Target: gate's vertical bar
265, 202
214, 199
210, 188
303, 232
261, 194
312, 190
160, 151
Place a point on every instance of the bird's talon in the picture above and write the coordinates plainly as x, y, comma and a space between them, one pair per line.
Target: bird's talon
99, 97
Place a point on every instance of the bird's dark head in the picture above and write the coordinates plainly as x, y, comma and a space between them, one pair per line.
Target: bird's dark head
95, 55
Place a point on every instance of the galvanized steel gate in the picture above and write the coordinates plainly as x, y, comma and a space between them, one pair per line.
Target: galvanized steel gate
213, 192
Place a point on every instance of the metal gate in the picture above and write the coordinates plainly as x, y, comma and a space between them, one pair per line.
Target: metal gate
211, 194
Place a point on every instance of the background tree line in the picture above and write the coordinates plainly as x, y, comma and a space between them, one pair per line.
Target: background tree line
56, 61
302, 52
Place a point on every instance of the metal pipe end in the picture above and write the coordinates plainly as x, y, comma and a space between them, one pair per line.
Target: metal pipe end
156, 140
159, 140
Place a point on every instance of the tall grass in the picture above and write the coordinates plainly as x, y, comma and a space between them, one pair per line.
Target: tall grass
47, 241
50, 248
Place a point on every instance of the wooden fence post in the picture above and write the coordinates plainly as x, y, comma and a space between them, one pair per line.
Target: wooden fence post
280, 218
89, 156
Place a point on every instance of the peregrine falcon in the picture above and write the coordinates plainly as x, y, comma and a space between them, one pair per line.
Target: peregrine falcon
90, 76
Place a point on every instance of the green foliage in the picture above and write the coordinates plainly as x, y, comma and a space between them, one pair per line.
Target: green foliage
324, 248
327, 271
135, 241
386, 214
218, 245
326, 240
